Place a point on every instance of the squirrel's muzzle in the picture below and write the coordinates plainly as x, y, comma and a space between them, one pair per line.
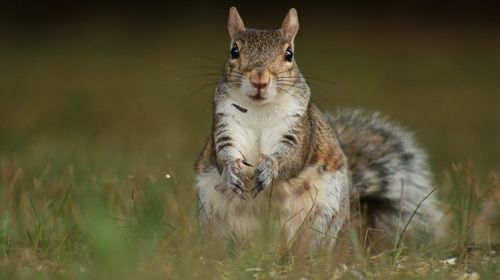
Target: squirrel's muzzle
260, 80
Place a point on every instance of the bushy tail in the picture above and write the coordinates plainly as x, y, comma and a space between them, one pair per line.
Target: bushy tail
385, 159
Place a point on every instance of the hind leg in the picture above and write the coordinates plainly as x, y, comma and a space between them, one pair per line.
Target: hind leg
313, 209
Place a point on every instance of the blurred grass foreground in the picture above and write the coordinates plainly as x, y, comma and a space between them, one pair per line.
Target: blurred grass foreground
102, 117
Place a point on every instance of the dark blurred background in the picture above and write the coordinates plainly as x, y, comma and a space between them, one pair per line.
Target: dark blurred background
37, 12
128, 84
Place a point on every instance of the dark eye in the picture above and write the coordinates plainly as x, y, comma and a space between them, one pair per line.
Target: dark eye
289, 55
235, 53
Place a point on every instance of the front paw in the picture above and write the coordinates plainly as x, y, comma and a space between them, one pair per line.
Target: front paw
265, 173
234, 178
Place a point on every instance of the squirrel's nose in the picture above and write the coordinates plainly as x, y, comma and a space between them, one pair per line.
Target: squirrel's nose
259, 85
259, 80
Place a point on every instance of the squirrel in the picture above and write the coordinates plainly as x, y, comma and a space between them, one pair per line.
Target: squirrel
270, 145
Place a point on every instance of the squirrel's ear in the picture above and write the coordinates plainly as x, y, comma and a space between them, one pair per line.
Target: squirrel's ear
290, 25
234, 23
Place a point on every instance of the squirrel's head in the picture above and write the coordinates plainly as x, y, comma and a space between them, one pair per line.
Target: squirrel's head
261, 63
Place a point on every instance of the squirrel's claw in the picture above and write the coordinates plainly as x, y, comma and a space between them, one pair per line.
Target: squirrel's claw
239, 189
260, 186
234, 178
264, 174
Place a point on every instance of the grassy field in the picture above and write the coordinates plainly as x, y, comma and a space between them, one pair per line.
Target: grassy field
101, 122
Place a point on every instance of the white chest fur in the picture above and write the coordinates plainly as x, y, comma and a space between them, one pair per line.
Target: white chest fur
260, 129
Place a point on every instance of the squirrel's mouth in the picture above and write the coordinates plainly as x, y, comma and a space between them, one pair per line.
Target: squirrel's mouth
258, 94
257, 97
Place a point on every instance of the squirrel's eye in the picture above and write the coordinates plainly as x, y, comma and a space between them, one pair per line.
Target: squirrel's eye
235, 53
289, 55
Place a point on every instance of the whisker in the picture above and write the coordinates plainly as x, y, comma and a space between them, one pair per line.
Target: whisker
291, 85
289, 78
200, 89
292, 80
235, 81
321, 80
322, 93
234, 76
289, 70
307, 78
237, 72
181, 79
318, 91
284, 90
196, 91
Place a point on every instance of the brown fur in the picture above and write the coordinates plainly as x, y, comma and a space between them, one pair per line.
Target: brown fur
305, 172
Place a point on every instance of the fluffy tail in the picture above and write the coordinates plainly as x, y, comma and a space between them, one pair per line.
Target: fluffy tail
384, 160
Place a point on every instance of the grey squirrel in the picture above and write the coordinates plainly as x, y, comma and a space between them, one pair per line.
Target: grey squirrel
271, 144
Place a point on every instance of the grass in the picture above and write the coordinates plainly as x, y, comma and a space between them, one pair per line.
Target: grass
99, 131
